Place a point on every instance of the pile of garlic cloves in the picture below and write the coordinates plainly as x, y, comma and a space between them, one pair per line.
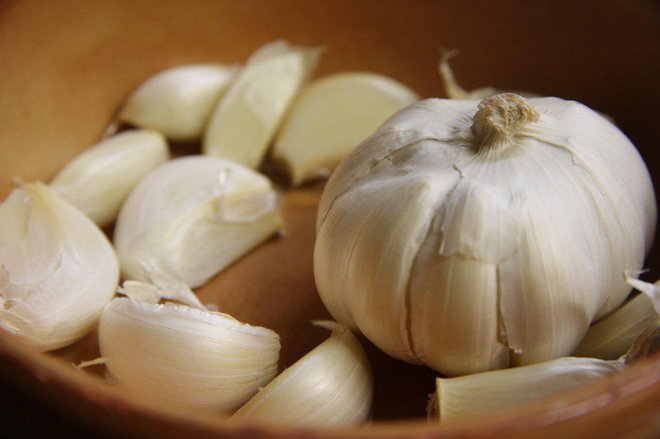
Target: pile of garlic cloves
432, 213
123, 234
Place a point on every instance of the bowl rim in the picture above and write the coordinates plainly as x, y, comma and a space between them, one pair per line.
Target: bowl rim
73, 392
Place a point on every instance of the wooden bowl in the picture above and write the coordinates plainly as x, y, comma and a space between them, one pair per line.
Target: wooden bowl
65, 68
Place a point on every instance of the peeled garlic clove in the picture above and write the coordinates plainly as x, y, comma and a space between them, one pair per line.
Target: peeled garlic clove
247, 117
99, 179
193, 216
330, 386
472, 235
331, 116
57, 269
184, 356
178, 101
474, 395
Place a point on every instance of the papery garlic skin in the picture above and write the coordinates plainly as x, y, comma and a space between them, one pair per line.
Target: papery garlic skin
331, 116
57, 268
470, 396
186, 357
247, 117
178, 101
99, 179
330, 386
471, 236
193, 216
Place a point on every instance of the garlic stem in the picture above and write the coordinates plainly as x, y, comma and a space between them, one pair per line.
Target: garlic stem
499, 118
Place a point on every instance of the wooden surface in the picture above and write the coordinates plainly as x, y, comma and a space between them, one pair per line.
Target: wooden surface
65, 67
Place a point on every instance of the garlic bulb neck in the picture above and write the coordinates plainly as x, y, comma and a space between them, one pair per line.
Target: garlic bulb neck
499, 118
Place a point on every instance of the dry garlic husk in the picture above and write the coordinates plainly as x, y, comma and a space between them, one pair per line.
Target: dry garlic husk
178, 101
248, 115
331, 116
193, 216
330, 386
470, 236
652, 291
482, 393
57, 269
99, 179
184, 356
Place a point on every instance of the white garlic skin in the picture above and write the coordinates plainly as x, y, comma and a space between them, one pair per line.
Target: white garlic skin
468, 249
178, 101
186, 357
99, 179
57, 268
332, 385
193, 216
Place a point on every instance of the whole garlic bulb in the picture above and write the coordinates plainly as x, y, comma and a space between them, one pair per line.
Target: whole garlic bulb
470, 236
186, 356
191, 217
57, 268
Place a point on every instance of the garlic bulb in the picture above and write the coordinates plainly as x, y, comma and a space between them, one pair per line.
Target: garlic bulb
99, 179
474, 395
185, 356
331, 116
191, 217
247, 117
330, 386
178, 101
470, 236
57, 269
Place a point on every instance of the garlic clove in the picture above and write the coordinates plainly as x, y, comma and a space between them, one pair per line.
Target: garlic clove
247, 117
186, 357
192, 217
331, 116
454, 91
57, 268
99, 179
178, 101
612, 336
470, 396
330, 386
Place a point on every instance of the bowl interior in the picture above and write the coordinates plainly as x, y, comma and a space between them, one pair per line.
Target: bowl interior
67, 67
